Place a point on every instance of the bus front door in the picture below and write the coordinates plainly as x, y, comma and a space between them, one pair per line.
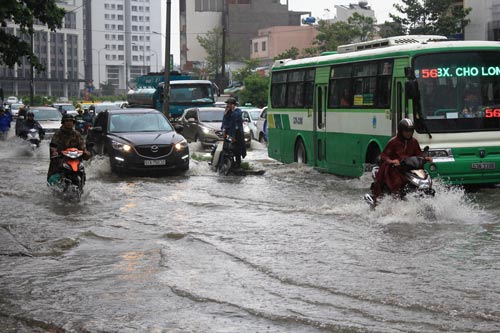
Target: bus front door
319, 135
398, 103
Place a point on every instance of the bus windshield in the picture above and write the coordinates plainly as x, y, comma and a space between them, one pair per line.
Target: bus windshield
459, 92
191, 94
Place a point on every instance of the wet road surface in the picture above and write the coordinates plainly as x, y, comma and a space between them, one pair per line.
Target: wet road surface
293, 250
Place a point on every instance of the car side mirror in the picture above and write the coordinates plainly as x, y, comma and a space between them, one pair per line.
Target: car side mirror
97, 129
179, 128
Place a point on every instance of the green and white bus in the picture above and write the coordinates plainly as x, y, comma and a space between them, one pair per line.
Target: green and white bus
337, 111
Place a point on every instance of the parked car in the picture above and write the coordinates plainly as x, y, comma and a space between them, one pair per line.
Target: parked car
11, 100
251, 115
49, 118
139, 140
262, 126
204, 124
65, 108
14, 108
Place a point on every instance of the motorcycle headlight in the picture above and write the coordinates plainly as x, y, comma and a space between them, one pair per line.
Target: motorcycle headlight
121, 146
181, 145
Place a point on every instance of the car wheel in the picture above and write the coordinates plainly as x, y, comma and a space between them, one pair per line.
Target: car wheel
262, 138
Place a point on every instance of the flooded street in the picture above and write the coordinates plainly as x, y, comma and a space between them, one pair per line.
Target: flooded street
293, 250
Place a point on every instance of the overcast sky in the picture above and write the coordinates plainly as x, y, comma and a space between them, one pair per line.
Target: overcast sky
321, 9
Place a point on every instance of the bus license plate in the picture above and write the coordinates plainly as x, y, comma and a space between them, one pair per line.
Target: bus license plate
484, 166
155, 162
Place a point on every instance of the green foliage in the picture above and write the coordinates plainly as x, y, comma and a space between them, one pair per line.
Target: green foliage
242, 73
39, 100
107, 88
331, 35
212, 43
256, 90
24, 14
291, 53
363, 26
390, 29
431, 17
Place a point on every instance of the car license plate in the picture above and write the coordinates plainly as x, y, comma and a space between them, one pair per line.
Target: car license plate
484, 166
155, 162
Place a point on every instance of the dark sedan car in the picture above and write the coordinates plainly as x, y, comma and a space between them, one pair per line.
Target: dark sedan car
139, 140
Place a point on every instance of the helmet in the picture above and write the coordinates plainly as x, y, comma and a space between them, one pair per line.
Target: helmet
67, 117
30, 114
231, 100
406, 125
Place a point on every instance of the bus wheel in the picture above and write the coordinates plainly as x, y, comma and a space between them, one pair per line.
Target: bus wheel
300, 153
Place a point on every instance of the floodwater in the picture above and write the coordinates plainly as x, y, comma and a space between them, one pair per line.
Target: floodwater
292, 251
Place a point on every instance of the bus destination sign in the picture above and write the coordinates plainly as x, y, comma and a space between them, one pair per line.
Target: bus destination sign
434, 73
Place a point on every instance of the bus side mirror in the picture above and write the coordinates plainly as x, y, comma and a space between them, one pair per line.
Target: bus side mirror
411, 88
410, 73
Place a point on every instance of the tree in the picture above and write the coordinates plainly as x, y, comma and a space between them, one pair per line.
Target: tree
364, 26
291, 53
24, 13
242, 73
256, 89
431, 17
390, 29
212, 43
331, 35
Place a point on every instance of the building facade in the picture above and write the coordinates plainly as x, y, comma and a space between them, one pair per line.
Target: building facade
60, 52
123, 40
344, 12
485, 20
273, 41
242, 20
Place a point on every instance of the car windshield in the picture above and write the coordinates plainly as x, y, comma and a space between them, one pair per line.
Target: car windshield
254, 114
139, 122
68, 107
212, 116
105, 107
46, 114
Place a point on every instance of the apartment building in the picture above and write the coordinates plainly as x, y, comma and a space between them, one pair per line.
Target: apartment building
60, 52
122, 40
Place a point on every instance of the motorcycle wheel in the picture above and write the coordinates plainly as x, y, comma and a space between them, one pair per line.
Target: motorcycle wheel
225, 166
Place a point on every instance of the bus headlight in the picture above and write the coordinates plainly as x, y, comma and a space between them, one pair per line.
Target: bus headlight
442, 155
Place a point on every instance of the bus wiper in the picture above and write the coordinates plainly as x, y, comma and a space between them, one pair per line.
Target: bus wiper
420, 119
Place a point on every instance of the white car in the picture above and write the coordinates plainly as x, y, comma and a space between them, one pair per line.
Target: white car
12, 99
49, 118
262, 126
250, 115
14, 108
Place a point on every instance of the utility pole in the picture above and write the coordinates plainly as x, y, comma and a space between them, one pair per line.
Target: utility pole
166, 83
32, 72
222, 81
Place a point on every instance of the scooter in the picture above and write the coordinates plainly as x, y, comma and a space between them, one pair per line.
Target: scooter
418, 179
222, 156
70, 179
33, 138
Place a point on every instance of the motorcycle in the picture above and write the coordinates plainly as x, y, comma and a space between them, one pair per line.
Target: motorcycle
418, 180
223, 156
33, 138
70, 179
82, 127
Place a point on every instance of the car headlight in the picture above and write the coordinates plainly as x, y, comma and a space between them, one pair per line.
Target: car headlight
181, 145
121, 146
207, 130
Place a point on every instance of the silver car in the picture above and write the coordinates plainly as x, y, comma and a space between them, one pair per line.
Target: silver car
49, 118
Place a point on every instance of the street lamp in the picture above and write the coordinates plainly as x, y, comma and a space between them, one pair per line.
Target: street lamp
99, 65
156, 56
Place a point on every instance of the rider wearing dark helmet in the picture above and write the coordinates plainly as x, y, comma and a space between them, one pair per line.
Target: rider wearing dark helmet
232, 126
402, 146
66, 137
31, 123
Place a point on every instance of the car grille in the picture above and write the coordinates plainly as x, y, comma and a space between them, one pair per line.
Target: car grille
153, 151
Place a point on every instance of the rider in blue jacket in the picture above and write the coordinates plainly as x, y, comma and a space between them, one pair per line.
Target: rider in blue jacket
5, 120
232, 126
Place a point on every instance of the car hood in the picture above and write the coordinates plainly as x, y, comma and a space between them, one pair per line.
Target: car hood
50, 124
214, 126
145, 138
